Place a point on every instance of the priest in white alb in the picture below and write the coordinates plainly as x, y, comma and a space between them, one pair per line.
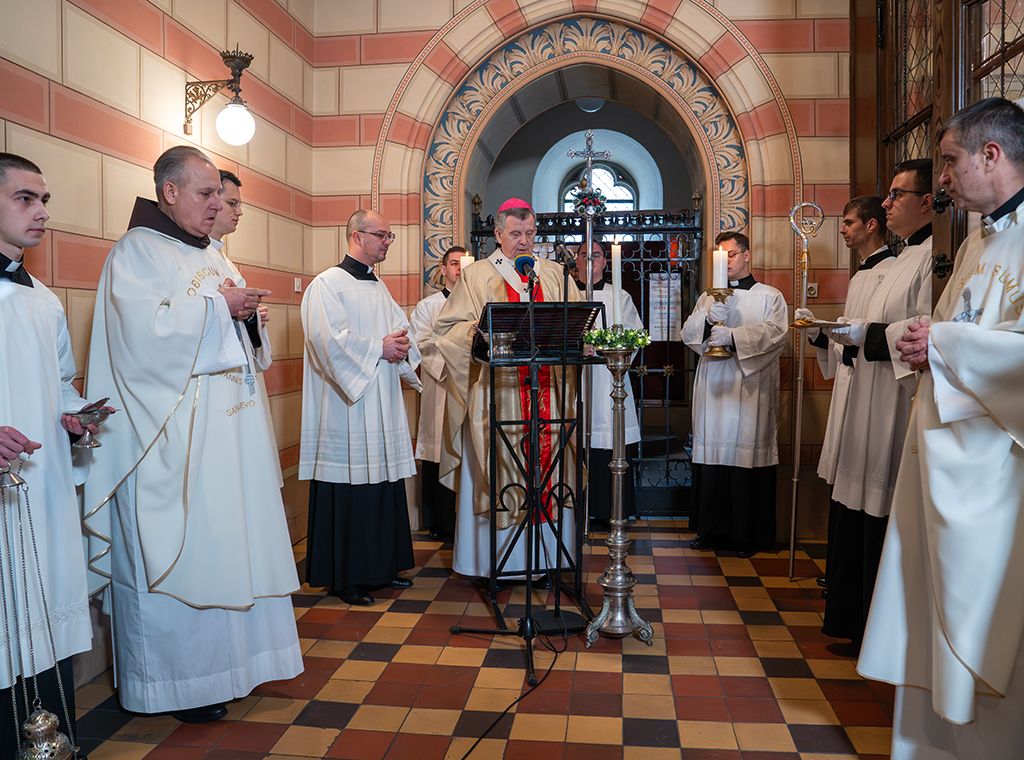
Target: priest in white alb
36, 373
878, 408
437, 502
947, 620
864, 231
464, 455
356, 449
735, 407
599, 484
185, 490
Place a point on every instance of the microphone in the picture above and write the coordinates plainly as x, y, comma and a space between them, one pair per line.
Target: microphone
524, 263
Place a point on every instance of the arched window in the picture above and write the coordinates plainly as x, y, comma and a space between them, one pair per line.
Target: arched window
618, 187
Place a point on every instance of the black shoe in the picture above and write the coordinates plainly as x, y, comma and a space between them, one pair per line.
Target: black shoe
357, 596
206, 714
543, 583
745, 552
824, 593
822, 581
849, 649
436, 535
700, 544
399, 582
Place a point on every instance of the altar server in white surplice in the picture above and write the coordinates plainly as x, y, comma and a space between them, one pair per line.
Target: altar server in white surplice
599, 484
186, 485
252, 332
735, 407
864, 230
437, 502
878, 407
356, 450
36, 370
947, 619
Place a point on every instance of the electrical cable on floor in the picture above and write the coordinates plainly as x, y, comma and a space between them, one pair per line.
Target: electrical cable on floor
547, 643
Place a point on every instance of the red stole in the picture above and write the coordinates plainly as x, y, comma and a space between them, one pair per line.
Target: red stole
543, 402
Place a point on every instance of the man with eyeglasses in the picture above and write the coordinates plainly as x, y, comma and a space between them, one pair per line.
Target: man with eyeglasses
864, 230
355, 448
464, 458
880, 393
735, 407
947, 620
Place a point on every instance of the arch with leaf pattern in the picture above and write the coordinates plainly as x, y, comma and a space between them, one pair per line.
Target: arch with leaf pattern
539, 51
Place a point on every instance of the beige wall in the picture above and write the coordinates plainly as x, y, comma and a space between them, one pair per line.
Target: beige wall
347, 94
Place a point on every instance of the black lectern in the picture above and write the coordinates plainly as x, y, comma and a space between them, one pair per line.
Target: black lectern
531, 336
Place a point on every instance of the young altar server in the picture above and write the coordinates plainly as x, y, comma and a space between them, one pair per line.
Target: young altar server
878, 408
36, 373
437, 506
735, 407
599, 483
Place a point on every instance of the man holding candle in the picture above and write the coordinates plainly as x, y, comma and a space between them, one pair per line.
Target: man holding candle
464, 460
735, 400
599, 483
437, 503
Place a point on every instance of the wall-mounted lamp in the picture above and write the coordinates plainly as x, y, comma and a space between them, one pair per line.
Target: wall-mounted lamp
235, 124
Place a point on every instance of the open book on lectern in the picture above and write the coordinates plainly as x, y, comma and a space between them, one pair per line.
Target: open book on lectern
558, 328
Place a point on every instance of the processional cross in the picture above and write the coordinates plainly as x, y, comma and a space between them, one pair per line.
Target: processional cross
588, 219
590, 154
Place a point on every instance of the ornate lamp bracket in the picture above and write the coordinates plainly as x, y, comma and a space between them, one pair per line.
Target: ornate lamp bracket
198, 94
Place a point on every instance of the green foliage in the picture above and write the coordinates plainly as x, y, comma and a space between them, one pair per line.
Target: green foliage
605, 338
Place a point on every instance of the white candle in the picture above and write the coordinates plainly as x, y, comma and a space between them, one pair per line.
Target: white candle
720, 268
616, 284
465, 260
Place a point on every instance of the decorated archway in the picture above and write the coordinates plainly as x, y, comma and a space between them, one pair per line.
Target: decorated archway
535, 53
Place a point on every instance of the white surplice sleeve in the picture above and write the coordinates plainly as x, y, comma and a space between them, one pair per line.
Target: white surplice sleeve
348, 360
422, 334
71, 399
693, 327
759, 345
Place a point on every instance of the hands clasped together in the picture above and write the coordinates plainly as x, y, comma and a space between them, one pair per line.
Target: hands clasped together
395, 346
244, 302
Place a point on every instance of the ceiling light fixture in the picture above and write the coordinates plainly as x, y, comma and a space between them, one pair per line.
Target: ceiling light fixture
590, 105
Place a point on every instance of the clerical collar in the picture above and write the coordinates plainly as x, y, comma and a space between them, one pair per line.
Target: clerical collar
147, 214
217, 244
14, 271
599, 285
745, 284
876, 258
920, 236
1006, 208
357, 269
446, 292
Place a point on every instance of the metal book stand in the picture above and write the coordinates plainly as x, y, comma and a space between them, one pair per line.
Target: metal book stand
536, 335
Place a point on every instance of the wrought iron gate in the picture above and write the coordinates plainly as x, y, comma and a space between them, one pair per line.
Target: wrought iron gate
661, 271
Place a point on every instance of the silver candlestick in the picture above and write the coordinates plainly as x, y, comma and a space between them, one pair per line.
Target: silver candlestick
618, 616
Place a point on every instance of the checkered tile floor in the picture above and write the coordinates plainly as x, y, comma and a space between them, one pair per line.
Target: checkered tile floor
738, 669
